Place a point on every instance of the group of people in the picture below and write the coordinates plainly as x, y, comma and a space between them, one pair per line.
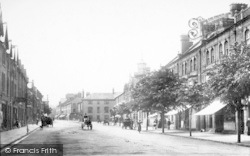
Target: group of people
158, 124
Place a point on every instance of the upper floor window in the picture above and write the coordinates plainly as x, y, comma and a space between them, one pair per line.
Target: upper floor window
195, 63
247, 37
226, 49
90, 102
3, 57
106, 109
220, 51
212, 55
182, 69
90, 109
3, 82
185, 68
207, 58
98, 109
191, 65
106, 102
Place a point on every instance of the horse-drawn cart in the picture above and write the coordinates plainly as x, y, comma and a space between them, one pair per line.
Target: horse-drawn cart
127, 123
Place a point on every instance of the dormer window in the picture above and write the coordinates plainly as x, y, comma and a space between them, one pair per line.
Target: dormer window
207, 58
212, 55
226, 50
247, 37
220, 51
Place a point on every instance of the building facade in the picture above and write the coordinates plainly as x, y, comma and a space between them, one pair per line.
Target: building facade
197, 58
13, 84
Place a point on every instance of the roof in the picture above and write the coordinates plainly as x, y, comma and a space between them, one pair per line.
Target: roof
77, 100
118, 94
99, 96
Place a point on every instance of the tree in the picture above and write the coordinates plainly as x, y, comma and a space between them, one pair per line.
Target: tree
230, 80
143, 99
195, 96
113, 112
164, 90
122, 109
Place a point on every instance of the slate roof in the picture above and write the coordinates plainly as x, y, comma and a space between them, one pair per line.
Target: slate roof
101, 96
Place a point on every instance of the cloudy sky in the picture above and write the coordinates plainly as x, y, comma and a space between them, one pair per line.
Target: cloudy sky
68, 46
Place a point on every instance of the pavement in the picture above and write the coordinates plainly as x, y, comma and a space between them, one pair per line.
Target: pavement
11, 136
208, 136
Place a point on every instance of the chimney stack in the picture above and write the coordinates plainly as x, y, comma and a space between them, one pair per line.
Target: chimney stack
185, 43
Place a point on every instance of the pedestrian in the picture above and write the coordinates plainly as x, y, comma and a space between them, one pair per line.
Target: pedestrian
155, 123
169, 123
42, 121
139, 126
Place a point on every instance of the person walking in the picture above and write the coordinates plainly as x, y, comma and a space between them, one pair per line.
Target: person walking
139, 126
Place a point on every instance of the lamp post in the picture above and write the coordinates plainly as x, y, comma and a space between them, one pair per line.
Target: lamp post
26, 106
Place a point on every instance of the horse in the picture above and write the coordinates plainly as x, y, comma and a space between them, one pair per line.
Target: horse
87, 122
46, 121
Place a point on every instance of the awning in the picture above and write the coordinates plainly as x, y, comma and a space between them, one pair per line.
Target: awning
153, 115
214, 107
62, 115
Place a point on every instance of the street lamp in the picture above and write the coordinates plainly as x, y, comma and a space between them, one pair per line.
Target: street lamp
26, 106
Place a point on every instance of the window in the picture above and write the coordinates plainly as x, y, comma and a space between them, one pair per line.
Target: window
194, 63
106, 109
247, 37
8, 85
3, 82
182, 69
191, 65
90, 117
98, 109
220, 51
212, 55
207, 57
90, 102
106, 102
3, 57
185, 68
226, 48
106, 117
98, 102
98, 117
90, 109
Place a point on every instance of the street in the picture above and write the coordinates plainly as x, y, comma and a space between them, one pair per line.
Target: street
107, 140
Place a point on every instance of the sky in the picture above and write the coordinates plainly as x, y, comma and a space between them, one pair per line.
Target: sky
68, 46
